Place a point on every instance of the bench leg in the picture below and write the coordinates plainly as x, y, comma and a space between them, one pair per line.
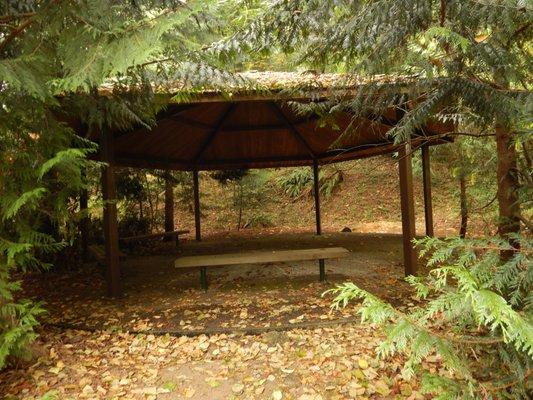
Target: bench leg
203, 277
322, 269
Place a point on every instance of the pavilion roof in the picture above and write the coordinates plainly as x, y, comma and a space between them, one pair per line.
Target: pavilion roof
252, 126
249, 85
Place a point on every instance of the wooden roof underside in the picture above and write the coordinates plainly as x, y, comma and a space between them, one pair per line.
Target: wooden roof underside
255, 134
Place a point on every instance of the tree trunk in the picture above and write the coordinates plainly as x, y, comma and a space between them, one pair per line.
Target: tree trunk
84, 224
239, 221
169, 203
508, 202
464, 206
150, 202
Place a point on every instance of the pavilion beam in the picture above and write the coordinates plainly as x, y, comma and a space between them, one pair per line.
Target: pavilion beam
408, 208
292, 129
211, 136
196, 189
428, 202
363, 151
114, 284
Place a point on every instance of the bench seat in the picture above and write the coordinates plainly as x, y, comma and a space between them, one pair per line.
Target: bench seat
260, 257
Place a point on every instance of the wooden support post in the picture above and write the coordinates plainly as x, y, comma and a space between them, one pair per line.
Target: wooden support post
428, 203
408, 208
169, 205
84, 221
114, 284
316, 192
203, 278
196, 188
321, 270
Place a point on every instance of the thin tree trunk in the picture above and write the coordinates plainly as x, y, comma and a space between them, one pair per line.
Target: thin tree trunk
239, 222
169, 203
508, 202
150, 202
464, 206
84, 224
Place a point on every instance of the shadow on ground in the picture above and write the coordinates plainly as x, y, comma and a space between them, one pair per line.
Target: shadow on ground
159, 297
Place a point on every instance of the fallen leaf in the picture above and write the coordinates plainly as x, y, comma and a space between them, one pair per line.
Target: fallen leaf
237, 388
363, 364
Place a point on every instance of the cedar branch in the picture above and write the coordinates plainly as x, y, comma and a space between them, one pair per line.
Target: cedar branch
8, 18
15, 32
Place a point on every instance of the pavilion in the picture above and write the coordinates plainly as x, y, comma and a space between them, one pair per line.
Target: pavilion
258, 129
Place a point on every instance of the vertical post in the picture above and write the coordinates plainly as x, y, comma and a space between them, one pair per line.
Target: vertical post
84, 221
316, 189
196, 187
203, 278
114, 284
169, 203
408, 208
428, 203
316, 192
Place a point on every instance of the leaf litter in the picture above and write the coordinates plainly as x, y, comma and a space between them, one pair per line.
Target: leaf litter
281, 361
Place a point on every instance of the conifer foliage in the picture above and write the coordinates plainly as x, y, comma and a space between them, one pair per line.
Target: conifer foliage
54, 55
474, 313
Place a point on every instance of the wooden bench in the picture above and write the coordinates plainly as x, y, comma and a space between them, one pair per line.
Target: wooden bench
260, 257
98, 253
173, 234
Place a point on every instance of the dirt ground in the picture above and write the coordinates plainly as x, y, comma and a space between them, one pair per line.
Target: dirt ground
157, 295
259, 332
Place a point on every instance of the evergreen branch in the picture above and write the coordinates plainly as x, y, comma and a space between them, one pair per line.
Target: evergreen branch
487, 204
22, 26
518, 32
498, 4
15, 32
359, 293
490, 388
526, 222
8, 18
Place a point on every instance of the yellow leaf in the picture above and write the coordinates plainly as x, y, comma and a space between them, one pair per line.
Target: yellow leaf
363, 364
189, 392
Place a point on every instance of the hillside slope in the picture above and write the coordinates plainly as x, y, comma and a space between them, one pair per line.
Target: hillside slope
366, 200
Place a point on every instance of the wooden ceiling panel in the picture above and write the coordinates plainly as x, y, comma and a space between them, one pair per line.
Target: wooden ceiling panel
251, 145
208, 113
254, 134
252, 114
169, 139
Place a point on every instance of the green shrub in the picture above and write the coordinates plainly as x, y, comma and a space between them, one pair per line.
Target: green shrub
476, 314
260, 220
299, 181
